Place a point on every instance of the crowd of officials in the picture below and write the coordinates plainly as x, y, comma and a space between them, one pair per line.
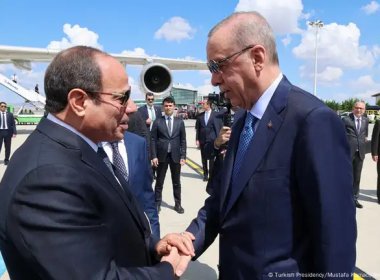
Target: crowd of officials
76, 200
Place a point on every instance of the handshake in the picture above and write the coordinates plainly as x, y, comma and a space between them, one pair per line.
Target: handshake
176, 249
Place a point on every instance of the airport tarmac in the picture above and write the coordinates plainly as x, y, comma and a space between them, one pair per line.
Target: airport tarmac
194, 194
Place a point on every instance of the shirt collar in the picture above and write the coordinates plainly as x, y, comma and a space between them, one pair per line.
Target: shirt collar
258, 109
72, 129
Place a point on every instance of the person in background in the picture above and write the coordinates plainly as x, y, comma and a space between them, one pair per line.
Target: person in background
7, 130
375, 151
14, 78
136, 125
150, 113
169, 149
65, 211
203, 126
36, 89
282, 203
356, 125
136, 167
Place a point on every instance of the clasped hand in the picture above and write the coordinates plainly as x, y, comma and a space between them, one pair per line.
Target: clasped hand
177, 249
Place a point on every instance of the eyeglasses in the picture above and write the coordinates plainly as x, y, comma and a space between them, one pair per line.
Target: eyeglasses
150, 99
3, 106
121, 97
214, 66
121, 109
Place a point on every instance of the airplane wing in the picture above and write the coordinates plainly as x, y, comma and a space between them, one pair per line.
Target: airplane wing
21, 57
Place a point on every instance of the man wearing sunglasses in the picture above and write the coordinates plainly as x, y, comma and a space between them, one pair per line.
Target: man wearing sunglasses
7, 130
282, 203
150, 113
65, 211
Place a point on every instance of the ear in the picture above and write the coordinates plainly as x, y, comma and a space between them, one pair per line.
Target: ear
77, 100
258, 55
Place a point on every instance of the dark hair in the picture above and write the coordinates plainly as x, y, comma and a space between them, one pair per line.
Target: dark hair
168, 99
2, 102
75, 67
149, 94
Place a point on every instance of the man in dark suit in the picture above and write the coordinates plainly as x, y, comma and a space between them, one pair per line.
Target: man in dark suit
356, 125
138, 172
7, 130
169, 149
282, 204
136, 125
66, 212
150, 112
203, 130
375, 151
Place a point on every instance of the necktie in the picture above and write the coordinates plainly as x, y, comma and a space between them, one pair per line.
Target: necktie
206, 117
2, 121
118, 160
358, 124
245, 138
170, 125
152, 114
170, 132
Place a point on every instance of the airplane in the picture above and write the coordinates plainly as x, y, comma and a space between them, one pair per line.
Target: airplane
21, 57
155, 75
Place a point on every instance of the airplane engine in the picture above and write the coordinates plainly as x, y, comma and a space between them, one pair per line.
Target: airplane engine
156, 78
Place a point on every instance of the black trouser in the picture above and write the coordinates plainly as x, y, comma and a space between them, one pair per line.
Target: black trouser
6, 137
175, 170
207, 169
357, 165
378, 181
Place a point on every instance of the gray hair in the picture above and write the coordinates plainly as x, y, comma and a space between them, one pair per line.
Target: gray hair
250, 28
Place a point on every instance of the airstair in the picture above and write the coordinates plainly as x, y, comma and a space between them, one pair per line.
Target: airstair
30, 96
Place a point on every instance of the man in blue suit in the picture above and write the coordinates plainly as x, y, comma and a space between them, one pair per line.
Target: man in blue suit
203, 129
139, 174
287, 210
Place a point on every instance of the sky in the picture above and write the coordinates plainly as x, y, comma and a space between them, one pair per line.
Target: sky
348, 52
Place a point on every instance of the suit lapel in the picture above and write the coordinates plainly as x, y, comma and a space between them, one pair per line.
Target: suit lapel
175, 125
70, 140
93, 160
228, 162
264, 135
131, 149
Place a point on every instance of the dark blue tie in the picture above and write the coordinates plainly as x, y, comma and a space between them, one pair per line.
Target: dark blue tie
245, 139
118, 160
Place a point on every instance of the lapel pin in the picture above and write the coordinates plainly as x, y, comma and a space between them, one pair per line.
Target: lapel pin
270, 124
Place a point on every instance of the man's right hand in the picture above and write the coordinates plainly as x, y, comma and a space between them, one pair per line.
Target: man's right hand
182, 244
155, 162
178, 261
223, 137
148, 121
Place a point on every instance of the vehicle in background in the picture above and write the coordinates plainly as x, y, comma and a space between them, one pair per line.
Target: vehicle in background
182, 113
344, 114
26, 114
373, 112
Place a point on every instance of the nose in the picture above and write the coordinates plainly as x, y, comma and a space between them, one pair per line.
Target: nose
131, 107
216, 79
